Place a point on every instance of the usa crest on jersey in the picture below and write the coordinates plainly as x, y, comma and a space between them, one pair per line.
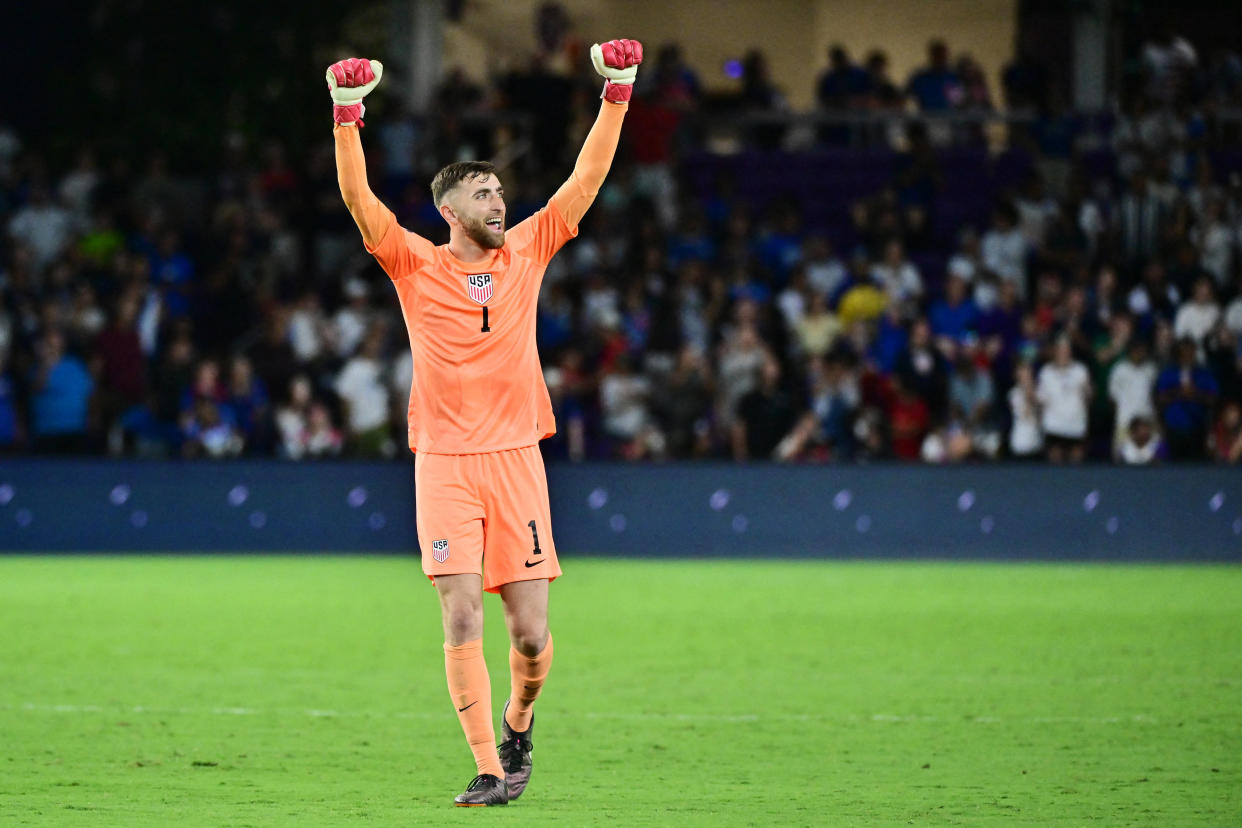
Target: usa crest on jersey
479, 286
439, 550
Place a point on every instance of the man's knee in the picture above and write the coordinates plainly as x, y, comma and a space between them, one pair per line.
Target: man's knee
529, 638
463, 621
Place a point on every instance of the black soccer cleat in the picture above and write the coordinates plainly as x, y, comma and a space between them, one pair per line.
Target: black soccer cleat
515, 755
484, 789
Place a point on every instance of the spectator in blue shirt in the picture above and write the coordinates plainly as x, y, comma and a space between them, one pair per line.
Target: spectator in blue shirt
1186, 392
954, 316
844, 84
61, 389
936, 87
779, 246
1000, 327
247, 401
692, 240
890, 341
172, 271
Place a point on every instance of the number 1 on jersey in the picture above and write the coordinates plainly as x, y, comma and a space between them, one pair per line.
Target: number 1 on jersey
535, 533
486, 328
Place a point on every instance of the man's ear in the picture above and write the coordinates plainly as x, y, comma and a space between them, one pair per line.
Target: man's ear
447, 213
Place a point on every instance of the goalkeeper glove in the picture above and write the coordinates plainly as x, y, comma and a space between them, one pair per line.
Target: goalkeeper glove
617, 61
350, 81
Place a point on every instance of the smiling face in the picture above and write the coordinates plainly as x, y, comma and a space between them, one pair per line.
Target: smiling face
476, 205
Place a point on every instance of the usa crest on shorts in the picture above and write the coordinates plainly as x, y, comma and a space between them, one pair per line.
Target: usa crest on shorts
479, 286
439, 550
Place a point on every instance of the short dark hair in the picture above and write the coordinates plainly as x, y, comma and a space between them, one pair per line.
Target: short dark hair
455, 173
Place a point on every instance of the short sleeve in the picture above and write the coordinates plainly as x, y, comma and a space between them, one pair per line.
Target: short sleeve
542, 235
399, 251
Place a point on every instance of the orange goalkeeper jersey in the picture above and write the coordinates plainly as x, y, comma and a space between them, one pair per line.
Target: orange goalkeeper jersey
478, 385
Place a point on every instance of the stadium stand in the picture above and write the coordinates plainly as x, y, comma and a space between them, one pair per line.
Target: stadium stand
906, 274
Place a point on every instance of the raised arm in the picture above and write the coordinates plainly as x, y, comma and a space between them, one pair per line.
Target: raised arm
398, 251
349, 81
617, 61
576, 195
371, 216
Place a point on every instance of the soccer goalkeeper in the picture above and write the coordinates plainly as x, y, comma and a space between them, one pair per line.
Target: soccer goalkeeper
478, 403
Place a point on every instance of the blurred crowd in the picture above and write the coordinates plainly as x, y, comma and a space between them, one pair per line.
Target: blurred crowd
1096, 313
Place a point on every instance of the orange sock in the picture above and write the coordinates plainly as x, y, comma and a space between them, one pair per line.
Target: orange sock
471, 691
527, 675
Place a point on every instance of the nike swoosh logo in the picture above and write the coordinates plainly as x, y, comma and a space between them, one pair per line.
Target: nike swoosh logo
529, 564
467, 707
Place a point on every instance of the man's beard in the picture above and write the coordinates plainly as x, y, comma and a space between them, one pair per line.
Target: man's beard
482, 235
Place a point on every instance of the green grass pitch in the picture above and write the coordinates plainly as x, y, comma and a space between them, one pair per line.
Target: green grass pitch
259, 691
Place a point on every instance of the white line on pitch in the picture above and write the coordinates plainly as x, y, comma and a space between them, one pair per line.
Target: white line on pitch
637, 716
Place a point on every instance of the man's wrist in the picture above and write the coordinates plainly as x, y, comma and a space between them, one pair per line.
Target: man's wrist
348, 115
617, 92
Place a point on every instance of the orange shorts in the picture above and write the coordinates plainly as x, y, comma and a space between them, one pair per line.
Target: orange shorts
485, 514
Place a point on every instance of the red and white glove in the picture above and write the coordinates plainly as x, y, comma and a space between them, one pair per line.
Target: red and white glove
617, 61
350, 81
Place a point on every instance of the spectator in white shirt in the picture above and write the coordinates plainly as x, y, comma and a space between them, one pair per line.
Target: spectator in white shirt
351, 321
363, 389
896, 276
1026, 439
1140, 444
623, 401
78, 187
291, 418
306, 428
825, 271
1130, 386
42, 225
400, 378
1196, 318
1140, 218
1215, 240
1064, 390
308, 328
1036, 211
739, 368
793, 300
1233, 313
1005, 248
